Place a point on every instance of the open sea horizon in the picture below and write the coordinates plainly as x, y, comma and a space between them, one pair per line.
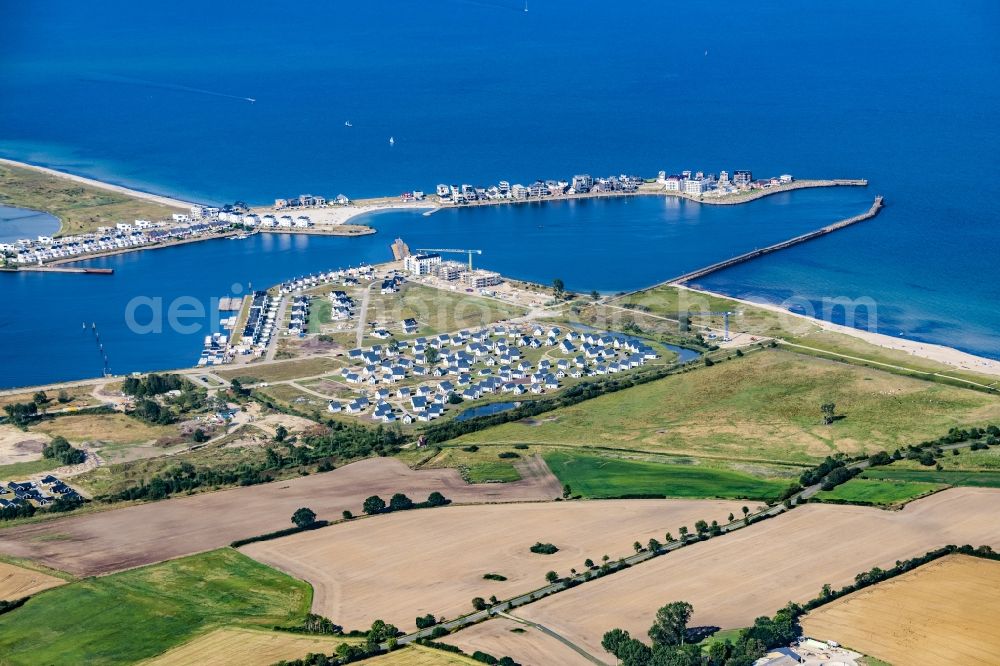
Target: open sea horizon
905, 95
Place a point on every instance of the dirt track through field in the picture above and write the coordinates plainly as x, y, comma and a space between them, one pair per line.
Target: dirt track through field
945, 612
733, 579
118, 539
402, 565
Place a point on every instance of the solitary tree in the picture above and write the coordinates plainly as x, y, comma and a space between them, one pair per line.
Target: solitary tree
64, 396
669, 537
745, 510
347, 515
654, 545
671, 623
701, 527
373, 505
479, 603
400, 502
637, 547
40, 398
684, 532
552, 576
829, 409
431, 355
280, 433
304, 517
731, 516
558, 287
567, 491
594, 295
589, 563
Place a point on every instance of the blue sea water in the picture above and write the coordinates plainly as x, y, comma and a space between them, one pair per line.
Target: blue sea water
152, 95
17, 223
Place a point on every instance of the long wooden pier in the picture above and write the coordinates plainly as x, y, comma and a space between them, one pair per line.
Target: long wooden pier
702, 272
68, 269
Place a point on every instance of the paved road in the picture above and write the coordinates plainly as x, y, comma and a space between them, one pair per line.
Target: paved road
363, 314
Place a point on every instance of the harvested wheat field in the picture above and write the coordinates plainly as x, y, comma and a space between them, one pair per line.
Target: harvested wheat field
17, 582
248, 647
418, 655
402, 565
118, 539
735, 578
944, 612
502, 637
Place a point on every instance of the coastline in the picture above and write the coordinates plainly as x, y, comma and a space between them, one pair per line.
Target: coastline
932, 352
330, 219
138, 194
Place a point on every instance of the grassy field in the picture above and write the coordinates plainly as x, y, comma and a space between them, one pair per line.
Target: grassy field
106, 428
437, 310
276, 372
598, 477
16, 470
764, 406
81, 208
247, 647
930, 475
80, 396
319, 314
880, 492
137, 614
117, 476
480, 466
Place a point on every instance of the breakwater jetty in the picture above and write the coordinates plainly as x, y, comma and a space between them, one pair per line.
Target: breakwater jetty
68, 269
702, 272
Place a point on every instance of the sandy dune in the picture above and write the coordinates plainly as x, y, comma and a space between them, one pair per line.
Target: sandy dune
137, 535
733, 579
399, 566
945, 612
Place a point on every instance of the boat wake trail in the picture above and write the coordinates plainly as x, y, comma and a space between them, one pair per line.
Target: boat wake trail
129, 81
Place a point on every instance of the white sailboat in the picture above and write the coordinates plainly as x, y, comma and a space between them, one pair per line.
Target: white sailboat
347, 123
392, 141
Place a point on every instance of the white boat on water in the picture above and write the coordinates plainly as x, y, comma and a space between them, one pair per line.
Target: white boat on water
392, 141
347, 123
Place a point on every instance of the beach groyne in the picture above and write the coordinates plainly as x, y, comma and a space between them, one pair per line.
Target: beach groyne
702, 272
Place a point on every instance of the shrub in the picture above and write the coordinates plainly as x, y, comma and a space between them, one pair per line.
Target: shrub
508, 454
544, 548
494, 576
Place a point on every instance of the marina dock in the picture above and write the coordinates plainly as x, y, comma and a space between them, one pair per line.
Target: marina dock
702, 272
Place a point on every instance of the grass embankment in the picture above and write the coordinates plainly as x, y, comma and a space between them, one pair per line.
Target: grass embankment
137, 614
281, 371
968, 468
878, 492
17, 470
81, 208
599, 477
764, 407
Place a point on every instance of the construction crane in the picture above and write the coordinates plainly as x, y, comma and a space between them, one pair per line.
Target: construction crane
725, 320
453, 251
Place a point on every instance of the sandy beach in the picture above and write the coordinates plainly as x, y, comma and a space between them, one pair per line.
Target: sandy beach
155, 198
339, 215
932, 352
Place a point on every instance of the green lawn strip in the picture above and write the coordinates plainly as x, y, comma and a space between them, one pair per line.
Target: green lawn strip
948, 477
319, 314
491, 471
878, 491
126, 617
599, 477
720, 636
14, 471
